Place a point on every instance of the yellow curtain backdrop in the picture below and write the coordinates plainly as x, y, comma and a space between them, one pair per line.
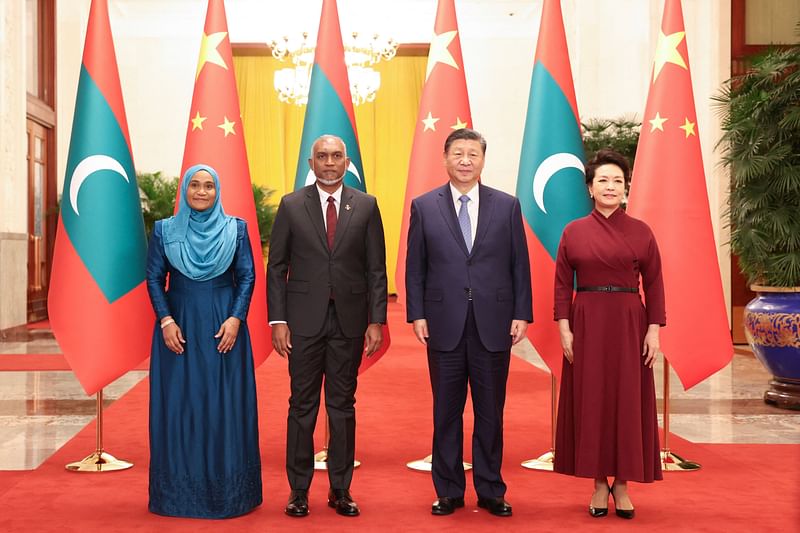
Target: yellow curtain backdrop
273, 131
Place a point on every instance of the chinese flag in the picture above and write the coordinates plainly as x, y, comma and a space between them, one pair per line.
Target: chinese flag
550, 185
214, 136
444, 107
98, 304
697, 339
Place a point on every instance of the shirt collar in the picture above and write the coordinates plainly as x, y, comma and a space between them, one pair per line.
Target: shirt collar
472, 194
323, 196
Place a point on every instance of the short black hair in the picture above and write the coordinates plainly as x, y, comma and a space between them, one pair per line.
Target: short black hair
607, 156
466, 134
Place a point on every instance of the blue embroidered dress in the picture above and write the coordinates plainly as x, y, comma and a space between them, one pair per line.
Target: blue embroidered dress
204, 453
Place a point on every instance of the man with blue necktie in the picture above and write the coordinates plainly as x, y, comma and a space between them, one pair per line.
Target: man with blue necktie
469, 299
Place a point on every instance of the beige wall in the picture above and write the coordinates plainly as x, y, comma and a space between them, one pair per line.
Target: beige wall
13, 176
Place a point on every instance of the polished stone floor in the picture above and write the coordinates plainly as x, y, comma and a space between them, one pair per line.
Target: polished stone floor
41, 410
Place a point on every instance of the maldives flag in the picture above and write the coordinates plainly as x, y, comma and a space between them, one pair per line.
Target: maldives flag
697, 339
330, 111
98, 304
444, 107
330, 105
214, 136
550, 186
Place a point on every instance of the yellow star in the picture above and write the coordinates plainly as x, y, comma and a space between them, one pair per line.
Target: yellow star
688, 127
667, 52
197, 122
458, 125
439, 52
657, 123
209, 52
227, 127
430, 122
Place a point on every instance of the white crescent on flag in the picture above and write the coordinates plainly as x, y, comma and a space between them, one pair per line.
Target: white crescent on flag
88, 166
547, 170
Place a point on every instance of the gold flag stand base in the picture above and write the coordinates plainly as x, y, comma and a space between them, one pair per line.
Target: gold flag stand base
671, 462
424, 465
543, 462
321, 461
99, 461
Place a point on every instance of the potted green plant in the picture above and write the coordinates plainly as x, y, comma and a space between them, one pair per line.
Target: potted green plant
760, 146
620, 134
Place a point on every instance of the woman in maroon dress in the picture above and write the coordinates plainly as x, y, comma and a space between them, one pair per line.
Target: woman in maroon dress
607, 421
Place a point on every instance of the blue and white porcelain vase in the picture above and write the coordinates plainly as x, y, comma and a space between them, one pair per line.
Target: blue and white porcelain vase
772, 326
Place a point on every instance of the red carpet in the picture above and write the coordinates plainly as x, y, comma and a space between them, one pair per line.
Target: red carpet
44, 362
740, 488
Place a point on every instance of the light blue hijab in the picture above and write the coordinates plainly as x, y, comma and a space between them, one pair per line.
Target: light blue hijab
200, 244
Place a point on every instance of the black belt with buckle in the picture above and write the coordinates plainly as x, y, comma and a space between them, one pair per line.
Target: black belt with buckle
608, 288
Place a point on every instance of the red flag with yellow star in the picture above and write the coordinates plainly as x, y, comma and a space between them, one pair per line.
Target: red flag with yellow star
215, 137
444, 107
697, 340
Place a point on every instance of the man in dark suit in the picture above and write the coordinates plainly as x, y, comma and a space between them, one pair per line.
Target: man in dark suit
469, 298
327, 301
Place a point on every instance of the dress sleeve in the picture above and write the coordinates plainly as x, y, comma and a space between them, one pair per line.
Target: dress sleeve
156, 273
564, 281
244, 270
653, 284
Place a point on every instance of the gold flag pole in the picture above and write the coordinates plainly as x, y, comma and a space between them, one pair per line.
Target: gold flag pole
99, 461
545, 461
672, 462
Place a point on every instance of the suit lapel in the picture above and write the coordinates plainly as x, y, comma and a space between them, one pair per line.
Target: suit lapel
314, 209
485, 210
448, 210
345, 214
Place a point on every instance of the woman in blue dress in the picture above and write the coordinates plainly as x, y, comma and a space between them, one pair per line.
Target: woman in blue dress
204, 455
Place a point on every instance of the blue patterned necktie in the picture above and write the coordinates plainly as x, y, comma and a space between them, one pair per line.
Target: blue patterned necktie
463, 222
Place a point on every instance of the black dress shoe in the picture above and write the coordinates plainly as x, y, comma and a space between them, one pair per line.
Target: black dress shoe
341, 500
622, 513
446, 505
298, 503
496, 506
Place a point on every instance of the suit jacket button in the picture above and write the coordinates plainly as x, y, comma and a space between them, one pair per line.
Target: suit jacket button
469, 262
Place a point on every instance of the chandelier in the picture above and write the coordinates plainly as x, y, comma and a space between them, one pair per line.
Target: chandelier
360, 54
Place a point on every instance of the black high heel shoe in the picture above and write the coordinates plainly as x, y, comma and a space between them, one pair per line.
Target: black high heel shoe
622, 513
599, 512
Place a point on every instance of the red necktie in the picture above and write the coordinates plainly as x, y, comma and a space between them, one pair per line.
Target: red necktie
330, 220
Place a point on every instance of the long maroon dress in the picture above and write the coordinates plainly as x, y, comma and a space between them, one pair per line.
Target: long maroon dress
607, 421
